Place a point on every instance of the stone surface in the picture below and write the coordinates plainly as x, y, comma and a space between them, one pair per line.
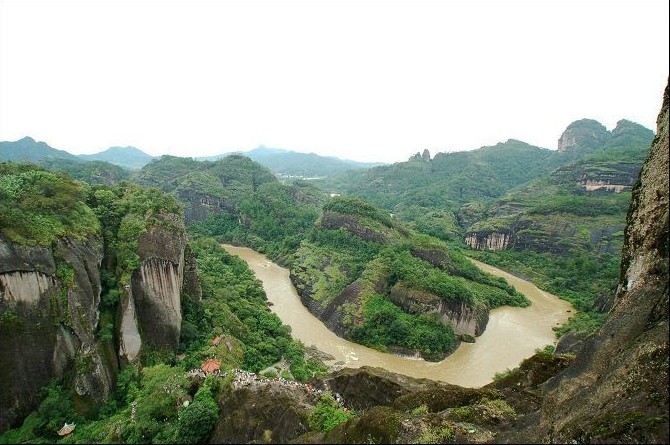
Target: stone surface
47, 325
617, 388
583, 134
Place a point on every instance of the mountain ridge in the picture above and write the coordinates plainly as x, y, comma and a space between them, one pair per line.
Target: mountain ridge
128, 157
290, 163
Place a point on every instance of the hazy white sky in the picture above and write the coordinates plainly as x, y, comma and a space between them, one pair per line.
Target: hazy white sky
362, 80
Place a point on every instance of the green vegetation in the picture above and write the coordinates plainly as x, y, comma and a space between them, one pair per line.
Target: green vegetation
57, 407
394, 246
487, 412
356, 244
328, 414
238, 201
91, 172
447, 181
307, 165
436, 435
197, 420
148, 405
565, 277
420, 410
536, 195
37, 206
385, 324
235, 305
272, 220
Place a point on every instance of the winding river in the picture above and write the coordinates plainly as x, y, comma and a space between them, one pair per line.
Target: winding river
512, 334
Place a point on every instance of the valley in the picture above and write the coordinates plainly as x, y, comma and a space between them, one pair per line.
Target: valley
115, 288
511, 335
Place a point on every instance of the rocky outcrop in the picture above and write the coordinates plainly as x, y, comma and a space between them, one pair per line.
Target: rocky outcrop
421, 156
343, 310
488, 241
366, 387
49, 299
587, 135
387, 403
617, 388
583, 134
335, 313
557, 234
269, 413
26, 287
130, 341
151, 304
613, 177
590, 185
350, 223
435, 257
197, 206
464, 318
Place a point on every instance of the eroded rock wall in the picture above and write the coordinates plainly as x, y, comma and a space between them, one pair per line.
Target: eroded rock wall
617, 388
488, 241
151, 305
49, 301
463, 318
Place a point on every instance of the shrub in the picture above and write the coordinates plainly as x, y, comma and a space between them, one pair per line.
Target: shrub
327, 414
196, 422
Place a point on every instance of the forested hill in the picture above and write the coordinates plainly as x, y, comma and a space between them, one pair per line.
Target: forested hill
29, 150
374, 281
544, 214
238, 201
293, 164
450, 180
39, 153
364, 273
286, 164
127, 157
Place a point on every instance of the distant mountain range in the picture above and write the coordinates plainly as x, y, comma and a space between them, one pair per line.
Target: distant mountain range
127, 157
28, 150
580, 137
288, 163
285, 163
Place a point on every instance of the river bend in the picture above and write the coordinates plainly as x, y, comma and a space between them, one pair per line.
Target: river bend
512, 333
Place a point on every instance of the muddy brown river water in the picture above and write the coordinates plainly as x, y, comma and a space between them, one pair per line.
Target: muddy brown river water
512, 334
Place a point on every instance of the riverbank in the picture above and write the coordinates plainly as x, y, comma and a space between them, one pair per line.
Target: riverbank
512, 333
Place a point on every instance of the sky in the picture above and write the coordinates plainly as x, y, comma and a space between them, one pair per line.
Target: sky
373, 81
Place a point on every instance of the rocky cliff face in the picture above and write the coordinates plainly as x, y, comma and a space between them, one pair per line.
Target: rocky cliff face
617, 388
197, 206
350, 223
605, 176
464, 319
270, 413
49, 315
487, 241
554, 215
343, 310
50, 311
151, 304
588, 135
556, 234
584, 133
